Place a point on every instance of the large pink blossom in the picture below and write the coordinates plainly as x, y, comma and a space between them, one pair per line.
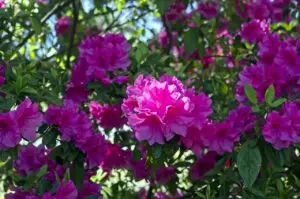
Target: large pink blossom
193, 140
157, 110
105, 54
107, 116
62, 25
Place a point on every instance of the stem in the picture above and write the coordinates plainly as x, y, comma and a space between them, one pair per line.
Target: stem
73, 32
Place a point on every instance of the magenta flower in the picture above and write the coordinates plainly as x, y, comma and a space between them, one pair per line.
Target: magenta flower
90, 189
258, 10
107, 116
253, 31
19, 194
2, 4
140, 169
30, 160
28, 119
105, 54
193, 140
208, 10
268, 48
115, 157
203, 165
277, 131
289, 57
157, 110
9, 135
62, 25
175, 12
163, 38
220, 137
77, 87
164, 174
242, 119
95, 149
66, 190
74, 125
122, 79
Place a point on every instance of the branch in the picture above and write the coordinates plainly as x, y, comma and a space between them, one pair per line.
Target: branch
169, 32
73, 32
56, 8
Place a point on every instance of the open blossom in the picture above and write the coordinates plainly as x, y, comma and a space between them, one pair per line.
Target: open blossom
220, 137
157, 110
19, 123
165, 174
193, 140
28, 119
66, 190
62, 25
282, 129
258, 10
73, 124
114, 157
107, 116
203, 165
105, 54
30, 160
95, 149
208, 9
253, 31
242, 119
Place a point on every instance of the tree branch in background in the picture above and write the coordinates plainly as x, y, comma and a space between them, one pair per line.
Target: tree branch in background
169, 32
73, 32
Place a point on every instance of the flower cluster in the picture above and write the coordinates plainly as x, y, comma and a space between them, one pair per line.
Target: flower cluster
62, 25
175, 11
157, 110
208, 9
278, 65
74, 126
254, 31
18, 124
104, 55
107, 116
282, 129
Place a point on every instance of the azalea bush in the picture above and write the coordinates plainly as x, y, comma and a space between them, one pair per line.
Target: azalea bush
149, 99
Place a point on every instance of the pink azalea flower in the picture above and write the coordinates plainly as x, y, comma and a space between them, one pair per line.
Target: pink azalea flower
9, 135
175, 12
28, 119
253, 31
193, 140
66, 190
2, 4
107, 116
62, 25
30, 160
259, 11
90, 189
159, 109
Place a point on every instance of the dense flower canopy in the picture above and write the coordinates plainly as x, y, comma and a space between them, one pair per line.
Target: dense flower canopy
163, 99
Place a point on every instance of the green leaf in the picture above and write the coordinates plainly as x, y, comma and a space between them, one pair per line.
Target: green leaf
77, 172
36, 25
274, 157
201, 48
249, 162
278, 102
42, 171
190, 40
251, 94
141, 52
270, 95
163, 5
49, 139
157, 151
